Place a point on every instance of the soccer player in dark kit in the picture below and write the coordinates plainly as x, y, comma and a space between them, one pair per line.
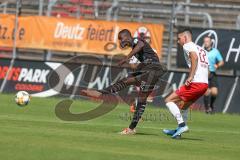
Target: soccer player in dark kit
146, 75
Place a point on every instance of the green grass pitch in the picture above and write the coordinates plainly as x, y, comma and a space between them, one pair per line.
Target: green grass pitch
35, 133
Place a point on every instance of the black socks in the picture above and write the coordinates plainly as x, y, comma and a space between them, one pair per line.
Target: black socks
182, 124
213, 98
206, 102
137, 114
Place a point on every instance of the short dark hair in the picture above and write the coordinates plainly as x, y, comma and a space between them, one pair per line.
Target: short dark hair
181, 30
125, 32
207, 36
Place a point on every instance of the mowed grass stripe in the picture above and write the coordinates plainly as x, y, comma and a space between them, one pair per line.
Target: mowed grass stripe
34, 132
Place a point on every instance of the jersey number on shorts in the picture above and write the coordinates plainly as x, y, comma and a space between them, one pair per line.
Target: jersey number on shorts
202, 55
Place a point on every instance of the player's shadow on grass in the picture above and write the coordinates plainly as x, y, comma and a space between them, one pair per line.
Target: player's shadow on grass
190, 139
146, 134
183, 138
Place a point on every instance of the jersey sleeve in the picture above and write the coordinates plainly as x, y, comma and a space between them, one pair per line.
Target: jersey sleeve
218, 56
189, 48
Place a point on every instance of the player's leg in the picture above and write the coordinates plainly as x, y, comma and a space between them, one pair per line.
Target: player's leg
206, 99
214, 93
134, 104
148, 80
184, 106
140, 108
119, 85
182, 127
188, 94
171, 102
185, 109
150, 77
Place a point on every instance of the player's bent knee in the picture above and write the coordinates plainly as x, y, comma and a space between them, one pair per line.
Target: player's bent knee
214, 91
214, 94
172, 98
166, 100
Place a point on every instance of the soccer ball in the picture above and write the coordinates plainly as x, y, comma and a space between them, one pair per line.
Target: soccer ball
22, 98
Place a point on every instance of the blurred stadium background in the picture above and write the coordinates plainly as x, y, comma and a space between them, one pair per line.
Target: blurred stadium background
158, 20
195, 13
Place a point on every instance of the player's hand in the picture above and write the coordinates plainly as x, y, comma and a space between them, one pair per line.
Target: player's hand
216, 66
124, 60
188, 81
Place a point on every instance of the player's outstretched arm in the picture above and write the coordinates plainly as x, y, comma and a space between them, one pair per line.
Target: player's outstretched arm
194, 61
135, 50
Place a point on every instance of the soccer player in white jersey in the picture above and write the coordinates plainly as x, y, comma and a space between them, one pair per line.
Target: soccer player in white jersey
195, 85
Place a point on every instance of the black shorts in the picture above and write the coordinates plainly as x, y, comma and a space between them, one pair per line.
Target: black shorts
212, 80
148, 74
